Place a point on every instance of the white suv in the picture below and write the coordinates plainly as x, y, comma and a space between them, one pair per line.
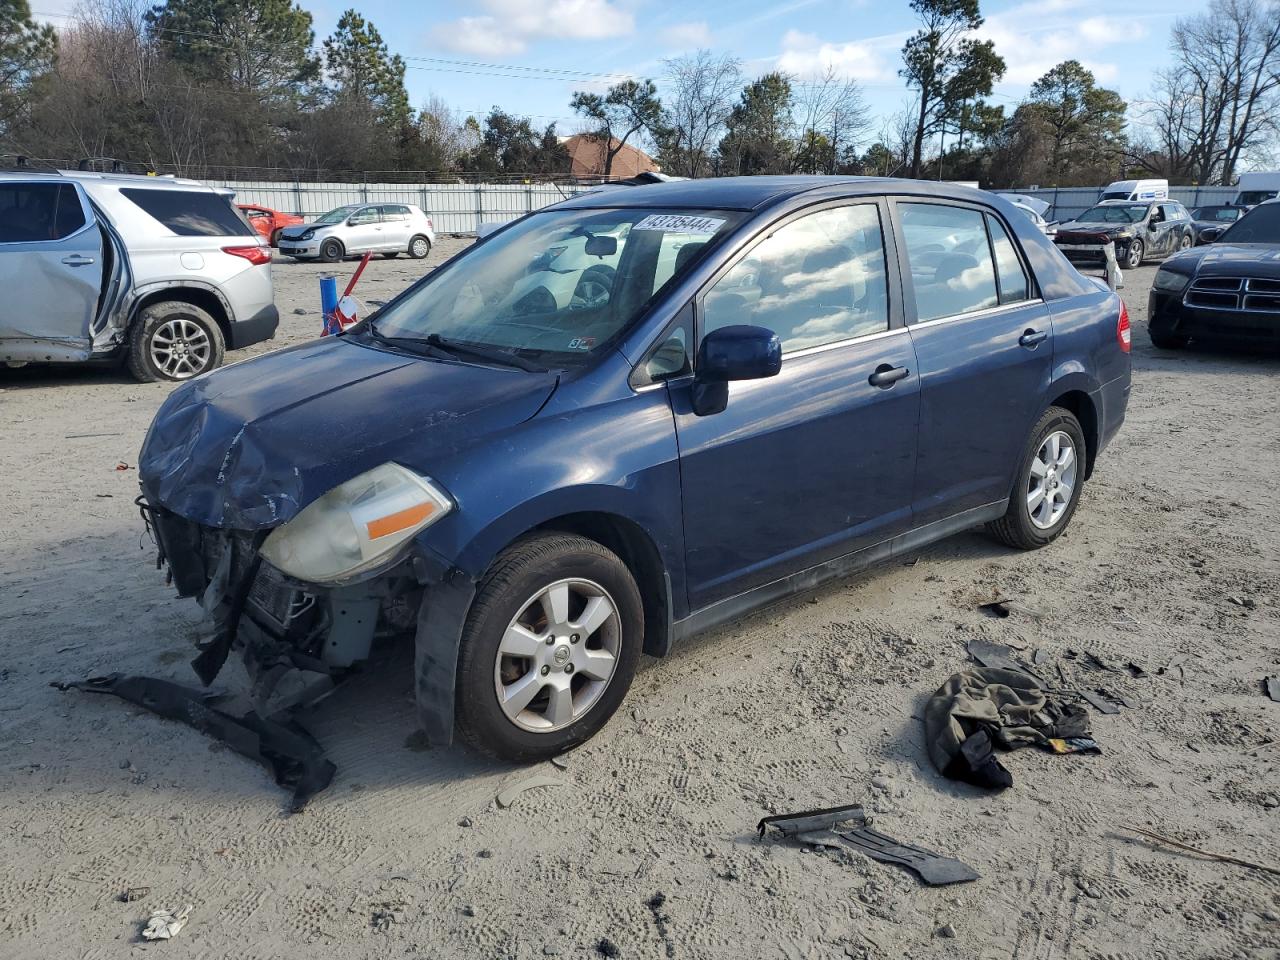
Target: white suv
351, 231
163, 273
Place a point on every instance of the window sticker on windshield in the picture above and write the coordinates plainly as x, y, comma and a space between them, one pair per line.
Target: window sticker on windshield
582, 343
673, 223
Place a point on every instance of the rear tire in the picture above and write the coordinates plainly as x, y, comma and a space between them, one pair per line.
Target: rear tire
331, 251
419, 247
1031, 523
515, 639
175, 341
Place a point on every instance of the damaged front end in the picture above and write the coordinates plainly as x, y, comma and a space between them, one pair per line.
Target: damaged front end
298, 639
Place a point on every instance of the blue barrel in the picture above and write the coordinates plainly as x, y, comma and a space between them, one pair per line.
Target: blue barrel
329, 304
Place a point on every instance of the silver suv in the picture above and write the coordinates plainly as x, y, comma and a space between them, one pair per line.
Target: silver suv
386, 228
160, 272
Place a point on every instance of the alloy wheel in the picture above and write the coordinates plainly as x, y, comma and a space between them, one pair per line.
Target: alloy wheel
1185, 244
558, 655
180, 348
1134, 260
419, 248
1052, 481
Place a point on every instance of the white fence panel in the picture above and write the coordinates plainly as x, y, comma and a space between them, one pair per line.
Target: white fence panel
1070, 202
454, 207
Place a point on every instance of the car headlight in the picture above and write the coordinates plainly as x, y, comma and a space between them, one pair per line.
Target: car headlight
308, 235
356, 527
1170, 281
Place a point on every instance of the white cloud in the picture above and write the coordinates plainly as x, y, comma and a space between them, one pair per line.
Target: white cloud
1035, 37
807, 56
508, 26
687, 36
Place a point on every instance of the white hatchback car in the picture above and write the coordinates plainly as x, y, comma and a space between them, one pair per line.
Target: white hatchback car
162, 273
386, 228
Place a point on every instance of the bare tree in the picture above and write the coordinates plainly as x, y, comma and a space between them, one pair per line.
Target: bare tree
1220, 101
704, 88
831, 119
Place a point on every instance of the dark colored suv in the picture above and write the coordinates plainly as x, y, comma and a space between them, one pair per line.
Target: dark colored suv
629, 417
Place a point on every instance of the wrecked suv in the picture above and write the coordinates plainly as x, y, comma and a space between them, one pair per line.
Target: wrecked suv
161, 273
627, 418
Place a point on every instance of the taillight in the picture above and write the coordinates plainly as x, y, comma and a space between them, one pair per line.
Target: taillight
256, 255
430, 225
1123, 333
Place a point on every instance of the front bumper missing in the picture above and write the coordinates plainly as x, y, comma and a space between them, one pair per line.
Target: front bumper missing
302, 639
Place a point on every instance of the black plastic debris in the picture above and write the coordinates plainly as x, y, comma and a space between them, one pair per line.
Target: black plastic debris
293, 756
848, 825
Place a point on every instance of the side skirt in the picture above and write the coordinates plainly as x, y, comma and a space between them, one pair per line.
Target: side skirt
732, 608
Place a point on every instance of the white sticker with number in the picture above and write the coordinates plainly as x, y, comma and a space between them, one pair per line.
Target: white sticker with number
674, 223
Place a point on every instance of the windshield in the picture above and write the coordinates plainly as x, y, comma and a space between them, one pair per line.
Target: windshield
338, 215
1221, 214
1114, 213
1248, 198
1259, 225
556, 286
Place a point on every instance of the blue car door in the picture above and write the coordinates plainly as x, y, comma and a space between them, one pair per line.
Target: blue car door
816, 462
984, 344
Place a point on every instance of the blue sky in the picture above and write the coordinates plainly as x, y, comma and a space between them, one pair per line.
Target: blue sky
542, 39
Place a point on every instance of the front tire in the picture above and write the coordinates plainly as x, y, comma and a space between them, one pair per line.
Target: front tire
174, 341
390, 256
331, 251
419, 247
1164, 340
549, 648
1134, 259
275, 237
1050, 480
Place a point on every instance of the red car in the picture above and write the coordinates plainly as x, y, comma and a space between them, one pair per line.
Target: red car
268, 222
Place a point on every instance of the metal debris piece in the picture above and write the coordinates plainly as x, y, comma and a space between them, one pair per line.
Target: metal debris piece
133, 894
293, 756
1272, 686
508, 796
823, 828
165, 924
1101, 700
999, 657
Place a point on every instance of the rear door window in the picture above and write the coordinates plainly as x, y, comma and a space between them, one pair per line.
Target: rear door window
1010, 273
38, 212
816, 280
190, 213
952, 271
395, 212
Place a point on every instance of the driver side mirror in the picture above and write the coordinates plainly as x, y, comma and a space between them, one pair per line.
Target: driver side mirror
739, 352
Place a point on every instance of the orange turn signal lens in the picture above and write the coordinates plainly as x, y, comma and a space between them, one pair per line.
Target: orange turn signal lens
400, 520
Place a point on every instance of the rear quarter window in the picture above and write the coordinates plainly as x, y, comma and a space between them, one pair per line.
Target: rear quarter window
190, 213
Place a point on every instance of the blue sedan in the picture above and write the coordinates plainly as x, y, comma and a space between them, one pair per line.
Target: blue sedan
627, 418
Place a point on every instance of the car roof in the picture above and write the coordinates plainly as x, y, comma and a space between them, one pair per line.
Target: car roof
752, 193
110, 179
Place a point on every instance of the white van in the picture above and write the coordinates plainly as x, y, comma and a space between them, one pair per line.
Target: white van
1136, 190
1254, 188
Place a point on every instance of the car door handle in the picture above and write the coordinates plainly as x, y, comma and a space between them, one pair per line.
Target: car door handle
887, 375
1030, 338
76, 260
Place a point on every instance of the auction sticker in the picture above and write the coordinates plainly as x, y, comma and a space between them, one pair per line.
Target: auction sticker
673, 223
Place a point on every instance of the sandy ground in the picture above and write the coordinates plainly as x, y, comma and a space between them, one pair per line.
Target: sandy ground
1172, 559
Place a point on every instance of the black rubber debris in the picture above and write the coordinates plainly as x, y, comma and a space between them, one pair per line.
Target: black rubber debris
288, 751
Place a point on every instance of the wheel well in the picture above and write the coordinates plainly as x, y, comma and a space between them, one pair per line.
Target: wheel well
633, 546
206, 300
1079, 403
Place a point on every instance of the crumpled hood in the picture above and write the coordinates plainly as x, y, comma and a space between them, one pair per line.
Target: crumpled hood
1109, 229
297, 230
249, 446
1238, 260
